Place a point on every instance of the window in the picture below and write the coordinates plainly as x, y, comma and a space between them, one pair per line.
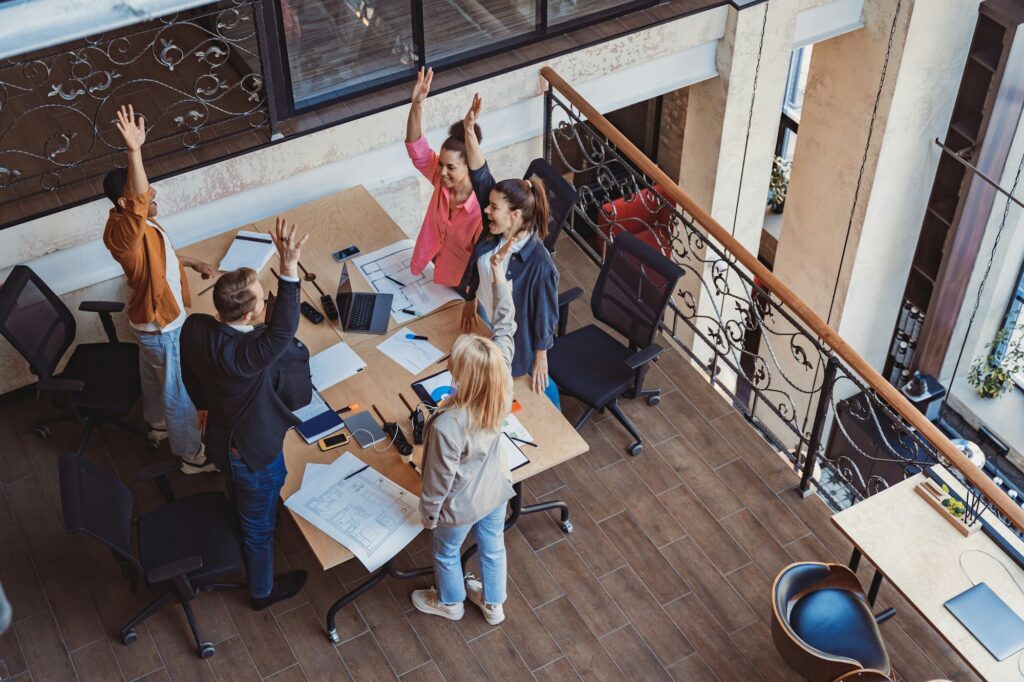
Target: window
452, 27
345, 45
1013, 326
561, 11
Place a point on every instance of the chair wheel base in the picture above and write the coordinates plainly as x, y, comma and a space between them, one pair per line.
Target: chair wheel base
42, 431
332, 635
635, 449
653, 400
567, 527
206, 650
129, 636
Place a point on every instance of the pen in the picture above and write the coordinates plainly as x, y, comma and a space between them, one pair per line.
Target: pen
410, 311
347, 408
416, 337
357, 471
394, 280
443, 359
524, 442
206, 289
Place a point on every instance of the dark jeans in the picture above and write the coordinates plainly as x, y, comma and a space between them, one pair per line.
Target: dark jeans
255, 495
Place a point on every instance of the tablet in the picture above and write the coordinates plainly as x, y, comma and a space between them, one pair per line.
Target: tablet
435, 388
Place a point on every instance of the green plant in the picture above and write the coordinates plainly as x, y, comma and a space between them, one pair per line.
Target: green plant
955, 507
992, 372
778, 185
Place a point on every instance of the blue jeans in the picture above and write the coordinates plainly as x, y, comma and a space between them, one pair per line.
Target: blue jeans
255, 495
164, 398
490, 542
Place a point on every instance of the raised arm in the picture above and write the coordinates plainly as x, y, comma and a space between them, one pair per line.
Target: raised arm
124, 235
133, 130
414, 125
474, 154
504, 322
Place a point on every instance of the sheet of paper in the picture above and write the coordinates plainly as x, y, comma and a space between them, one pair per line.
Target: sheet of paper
367, 513
514, 454
312, 471
513, 427
334, 365
315, 407
387, 271
248, 250
414, 354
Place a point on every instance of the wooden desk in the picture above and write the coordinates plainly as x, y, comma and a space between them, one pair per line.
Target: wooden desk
919, 553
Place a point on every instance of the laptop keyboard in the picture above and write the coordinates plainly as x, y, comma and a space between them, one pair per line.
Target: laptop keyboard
362, 311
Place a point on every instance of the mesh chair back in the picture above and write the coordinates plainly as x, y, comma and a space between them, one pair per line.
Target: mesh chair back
633, 289
35, 320
96, 503
562, 197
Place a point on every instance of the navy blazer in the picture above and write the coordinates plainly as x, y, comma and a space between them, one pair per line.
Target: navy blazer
249, 383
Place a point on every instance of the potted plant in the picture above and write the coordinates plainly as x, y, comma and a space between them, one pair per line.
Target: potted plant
992, 372
778, 186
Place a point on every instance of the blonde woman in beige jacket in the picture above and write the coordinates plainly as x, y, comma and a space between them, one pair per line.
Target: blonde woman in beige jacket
466, 478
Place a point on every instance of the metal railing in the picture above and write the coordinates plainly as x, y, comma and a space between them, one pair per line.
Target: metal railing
794, 378
195, 76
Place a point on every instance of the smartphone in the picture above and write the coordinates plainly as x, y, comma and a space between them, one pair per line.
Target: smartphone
337, 440
345, 253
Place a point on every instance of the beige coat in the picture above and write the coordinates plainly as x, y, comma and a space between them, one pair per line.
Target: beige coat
465, 473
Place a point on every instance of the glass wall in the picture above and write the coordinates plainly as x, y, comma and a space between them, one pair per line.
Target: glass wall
452, 27
561, 11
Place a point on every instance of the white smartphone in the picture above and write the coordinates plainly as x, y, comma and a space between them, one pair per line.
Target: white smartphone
345, 253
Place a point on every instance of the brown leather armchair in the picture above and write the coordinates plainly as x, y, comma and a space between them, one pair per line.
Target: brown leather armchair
823, 627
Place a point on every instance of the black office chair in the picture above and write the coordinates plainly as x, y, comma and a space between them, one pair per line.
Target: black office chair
562, 197
186, 547
100, 382
823, 627
630, 296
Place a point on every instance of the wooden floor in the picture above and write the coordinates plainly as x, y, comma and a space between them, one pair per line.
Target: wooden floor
667, 575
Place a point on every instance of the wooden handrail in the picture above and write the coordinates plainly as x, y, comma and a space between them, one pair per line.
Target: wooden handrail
815, 324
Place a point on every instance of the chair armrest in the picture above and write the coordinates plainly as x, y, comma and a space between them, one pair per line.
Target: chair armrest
161, 468
564, 299
60, 385
175, 569
101, 306
104, 308
642, 357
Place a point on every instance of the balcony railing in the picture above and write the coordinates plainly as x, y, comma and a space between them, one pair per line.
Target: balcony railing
791, 374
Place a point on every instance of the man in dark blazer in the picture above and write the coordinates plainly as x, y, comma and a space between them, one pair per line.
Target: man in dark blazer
249, 379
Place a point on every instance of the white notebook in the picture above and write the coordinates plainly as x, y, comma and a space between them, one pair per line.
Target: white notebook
248, 250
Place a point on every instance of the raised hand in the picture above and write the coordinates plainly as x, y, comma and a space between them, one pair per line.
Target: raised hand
288, 247
422, 88
498, 262
474, 112
132, 130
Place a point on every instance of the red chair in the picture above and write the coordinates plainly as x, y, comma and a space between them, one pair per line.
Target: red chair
646, 215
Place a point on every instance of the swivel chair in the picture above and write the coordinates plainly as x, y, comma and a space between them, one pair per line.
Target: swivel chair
186, 547
562, 197
632, 291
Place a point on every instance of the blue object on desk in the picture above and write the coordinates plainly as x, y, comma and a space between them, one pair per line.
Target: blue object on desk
990, 620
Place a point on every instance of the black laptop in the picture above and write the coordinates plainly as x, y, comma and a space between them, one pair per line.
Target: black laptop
361, 312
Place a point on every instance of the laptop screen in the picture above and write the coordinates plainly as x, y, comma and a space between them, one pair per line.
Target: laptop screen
344, 284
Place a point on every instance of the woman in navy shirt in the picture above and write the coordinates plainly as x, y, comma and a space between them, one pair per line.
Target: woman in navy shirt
514, 211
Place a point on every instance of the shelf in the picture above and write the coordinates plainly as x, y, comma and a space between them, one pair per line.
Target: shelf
968, 128
988, 58
921, 271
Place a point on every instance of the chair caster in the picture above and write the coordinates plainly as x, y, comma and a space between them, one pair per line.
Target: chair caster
42, 431
129, 636
332, 635
154, 445
206, 650
567, 527
653, 400
635, 449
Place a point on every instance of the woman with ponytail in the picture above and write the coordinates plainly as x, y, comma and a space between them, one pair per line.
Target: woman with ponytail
452, 224
515, 213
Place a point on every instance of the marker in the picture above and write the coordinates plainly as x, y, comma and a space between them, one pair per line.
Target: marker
410, 311
517, 439
357, 471
443, 359
349, 408
394, 280
417, 337
416, 468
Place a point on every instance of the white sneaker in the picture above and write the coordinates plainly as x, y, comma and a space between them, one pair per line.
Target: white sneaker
493, 613
197, 463
428, 601
157, 432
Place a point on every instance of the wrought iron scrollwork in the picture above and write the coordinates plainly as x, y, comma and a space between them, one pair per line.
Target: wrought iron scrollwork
195, 76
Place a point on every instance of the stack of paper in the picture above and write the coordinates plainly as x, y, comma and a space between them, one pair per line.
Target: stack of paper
248, 250
387, 271
413, 354
359, 508
334, 365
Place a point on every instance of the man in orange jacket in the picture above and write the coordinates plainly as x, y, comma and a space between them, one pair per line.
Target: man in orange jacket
156, 310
